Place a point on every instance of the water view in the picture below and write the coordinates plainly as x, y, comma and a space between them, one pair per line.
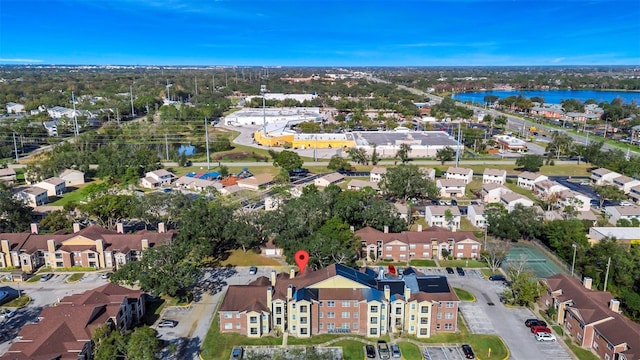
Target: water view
553, 96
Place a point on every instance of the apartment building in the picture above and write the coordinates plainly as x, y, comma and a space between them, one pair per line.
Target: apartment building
451, 188
340, 299
625, 183
64, 331
591, 318
494, 176
92, 246
408, 245
545, 188
634, 194
511, 199
527, 180
436, 215
333, 178
375, 176
578, 201
55, 186
460, 174
157, 178
32, 196
616, 213
491, 192
8, 176
476, 215
603, 176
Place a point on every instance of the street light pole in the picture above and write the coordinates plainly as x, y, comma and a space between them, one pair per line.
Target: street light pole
263, 90
573, 264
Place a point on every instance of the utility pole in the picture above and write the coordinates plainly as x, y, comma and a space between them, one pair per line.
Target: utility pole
133, 111
75, 117
166, 146
206, 134
263, 90
459, 143
606, 277
15, 146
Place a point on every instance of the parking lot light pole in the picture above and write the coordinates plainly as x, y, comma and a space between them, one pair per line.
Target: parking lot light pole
573, 264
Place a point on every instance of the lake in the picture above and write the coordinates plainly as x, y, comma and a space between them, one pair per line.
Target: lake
552, 96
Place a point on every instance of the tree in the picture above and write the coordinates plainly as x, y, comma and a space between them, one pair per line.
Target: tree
445, 154
374, 155
109, 343
448, 217
359, 155
407, 181
403, 153
525, 287
609, 192
333, 243
560, 144
288, 160
108, 210
531, 163
143, 344
15, 216
338, 163
57, 220
495, 254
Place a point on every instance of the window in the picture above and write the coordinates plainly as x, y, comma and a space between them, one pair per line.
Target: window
303, 331
331, 303
228, 315
355, 326
439, 315
423, 331
437, 326
424, 309
237, 325
595, 345
278, 310
398, 311
345, 326
346, 314
320, 314
373, 331
412, 328
303, 308
459, 255
373, 320
228, 326
413, 317
321, 326
448, 326
383, 317
448, 316
331, 326
374, 309
403, 256
474, 247
293, 328
303, 320
254, 331
320, 304
388, 247
450, 304
606, 357
425, 246
424, 320
382, 306
382, 328
293, 316
425, 254
355, 315
346, 303
413, 306
331, 315
460, 246
237, 315
278, 321
253, 320
355, 303
412, 246
403, 248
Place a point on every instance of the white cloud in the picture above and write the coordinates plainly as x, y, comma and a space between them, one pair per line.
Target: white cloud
18, 60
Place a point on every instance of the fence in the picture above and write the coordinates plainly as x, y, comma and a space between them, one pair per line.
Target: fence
555, 258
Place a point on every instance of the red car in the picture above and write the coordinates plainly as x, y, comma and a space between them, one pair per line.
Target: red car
537, 329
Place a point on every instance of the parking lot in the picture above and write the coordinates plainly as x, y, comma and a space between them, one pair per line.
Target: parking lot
442, 353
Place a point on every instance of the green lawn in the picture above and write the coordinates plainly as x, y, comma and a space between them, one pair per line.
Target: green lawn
18, 302
488, 272
250, 258
463, 263
352, 350
582, 354
34, 278
409, 350
75, 277
423, 263
519, 190
464, 295
217, 345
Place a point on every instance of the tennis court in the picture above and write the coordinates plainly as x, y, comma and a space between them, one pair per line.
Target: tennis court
535, 260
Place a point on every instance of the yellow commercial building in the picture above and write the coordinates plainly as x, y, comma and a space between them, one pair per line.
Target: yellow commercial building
306, 141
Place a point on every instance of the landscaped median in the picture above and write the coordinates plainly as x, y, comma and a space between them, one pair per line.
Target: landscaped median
75, 277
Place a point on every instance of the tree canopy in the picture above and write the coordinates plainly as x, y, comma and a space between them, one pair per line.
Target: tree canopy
408, 181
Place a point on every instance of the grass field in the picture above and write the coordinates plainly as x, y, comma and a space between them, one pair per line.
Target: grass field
464, 295
463, 263
75, 277
18, 302
217, 346
580, 353
423, 263
250, 258
409, 350
353, 350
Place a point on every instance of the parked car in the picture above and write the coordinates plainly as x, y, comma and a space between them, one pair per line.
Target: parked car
3, 295
253, 270
395, 351
460, 271
535, 322
497, 277
105, 275
545, 336
383, 350
454, 202
168, 323
540, 328
7, 314
449, 270
46, 277
371, 351
236, 353
468, 352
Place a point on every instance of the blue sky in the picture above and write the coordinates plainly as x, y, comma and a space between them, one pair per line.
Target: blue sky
320, 32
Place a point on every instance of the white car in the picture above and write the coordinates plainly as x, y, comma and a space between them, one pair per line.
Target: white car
625, 203
541, 336
7, 314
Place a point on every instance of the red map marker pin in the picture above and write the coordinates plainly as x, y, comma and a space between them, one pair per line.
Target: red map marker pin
302, 258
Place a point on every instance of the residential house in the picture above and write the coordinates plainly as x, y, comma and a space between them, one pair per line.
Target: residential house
228, 190
460, 174
578, 201
72, 177
476, 215
591, 318
494, 176
580, 215
603, 176
8, 176
32, 196
15, 108
511, 199
451, 188
58, 112
634, 194
54, 186
402, 210
616, 213
375, 176
197, 184
625, 183
546, 111
357, 184
546, 188
333, 178
51, 127
256, 182
341, 300
64, 331
94, 247
491, 192
157, 178
527, 179
624, 235
408, 245
436, 215
430, 173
